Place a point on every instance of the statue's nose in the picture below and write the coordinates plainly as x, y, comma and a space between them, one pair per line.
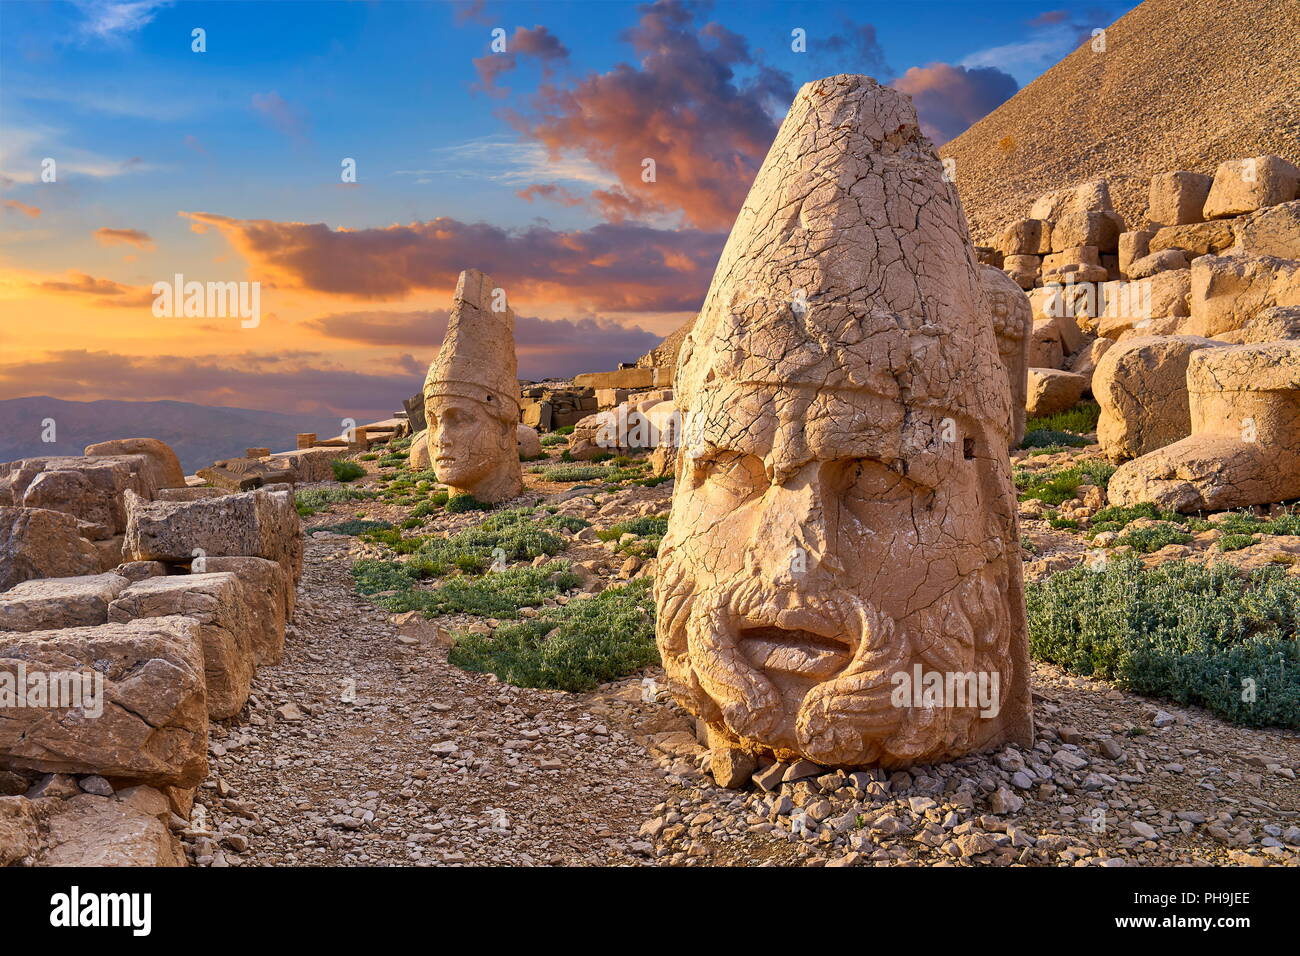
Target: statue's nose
794, 534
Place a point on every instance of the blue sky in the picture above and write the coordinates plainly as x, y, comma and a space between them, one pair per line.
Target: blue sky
254, 130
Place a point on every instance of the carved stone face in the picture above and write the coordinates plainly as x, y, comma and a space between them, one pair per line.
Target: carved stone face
822, 542
466, 441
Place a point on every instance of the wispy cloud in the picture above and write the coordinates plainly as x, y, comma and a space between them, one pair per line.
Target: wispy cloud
116, 19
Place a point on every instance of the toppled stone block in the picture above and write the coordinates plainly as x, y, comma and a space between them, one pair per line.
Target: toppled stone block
1177, 198
1090, 196
270, 595
1141, 386
1244, 185
1244, 448
1026, 237
45, 604
260, 523
22, 824
89, 488
162, 466
38, 543
139, 570
1272, 231
1052, 390
1024, 270
1011, 316
154, 722
245, 474
1227, 291
1270, 325
226, 628
1162, 261
1099, 229
89, 830
1133, 246
1198, 239
1136, 307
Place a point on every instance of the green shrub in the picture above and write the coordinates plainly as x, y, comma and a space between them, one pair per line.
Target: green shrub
391, 538
1184, 632
564, 430
1117, 517
1235, 542
1079, 420
466, 502
649, 532
372, 575
554, 439
575, 473
311, 500
355, 527
574, 647
368, 456
499, 594
1151, 539
1044, 438
1055, 486
346, 470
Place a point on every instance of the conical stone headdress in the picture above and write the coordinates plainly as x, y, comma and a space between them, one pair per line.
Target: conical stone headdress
849, 267
477, 359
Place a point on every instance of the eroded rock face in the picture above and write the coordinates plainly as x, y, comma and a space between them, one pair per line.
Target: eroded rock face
1244, 448
226, 628
260, 523
843, 518
163, 466
154, 722
50, 603
1141, 386
1013, 323
38, 543
470, 394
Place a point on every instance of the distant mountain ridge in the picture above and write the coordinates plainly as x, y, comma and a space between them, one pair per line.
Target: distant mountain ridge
199, 434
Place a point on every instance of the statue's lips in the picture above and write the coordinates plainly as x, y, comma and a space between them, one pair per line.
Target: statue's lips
797, 652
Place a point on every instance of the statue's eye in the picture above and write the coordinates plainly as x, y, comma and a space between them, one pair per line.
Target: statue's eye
866, 479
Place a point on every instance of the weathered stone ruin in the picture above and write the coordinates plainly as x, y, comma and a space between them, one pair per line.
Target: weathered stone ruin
470, 394
844, 522
113, 660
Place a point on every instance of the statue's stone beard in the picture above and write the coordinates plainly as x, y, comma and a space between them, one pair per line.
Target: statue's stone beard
811, 672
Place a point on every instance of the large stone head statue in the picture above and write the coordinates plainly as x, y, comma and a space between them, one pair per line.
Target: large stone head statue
1008, 310
471, 395
843, 531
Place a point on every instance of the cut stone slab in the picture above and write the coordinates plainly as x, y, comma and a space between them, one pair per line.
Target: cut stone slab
1271, 325
1245, 444
154, 724
1090, 196
269, 591
1228, 291
1161, 261
38, 543
163, 467
217, 602
45, 604
1244, 185
1273, 231
260, 523
1198, 239
96, 831
1177, 198
1141, 386
1053, 390
1133, 308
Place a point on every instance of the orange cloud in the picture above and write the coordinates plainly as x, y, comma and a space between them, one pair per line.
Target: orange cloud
106, 291
30, 211
607, 268
125, 237
680, 106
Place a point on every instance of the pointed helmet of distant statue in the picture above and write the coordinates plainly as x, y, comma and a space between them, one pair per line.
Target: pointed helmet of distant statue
477, 358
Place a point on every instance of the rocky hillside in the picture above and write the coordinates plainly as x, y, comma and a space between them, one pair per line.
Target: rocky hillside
1183, 84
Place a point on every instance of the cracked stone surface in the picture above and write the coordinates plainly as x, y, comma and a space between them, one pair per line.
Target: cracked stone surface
843, 511
471, 393
1244, 448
